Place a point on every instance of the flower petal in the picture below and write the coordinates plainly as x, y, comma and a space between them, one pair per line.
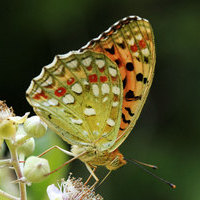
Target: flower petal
54, 193
20, 120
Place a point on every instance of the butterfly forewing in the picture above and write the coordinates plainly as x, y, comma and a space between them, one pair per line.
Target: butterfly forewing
129, 43
79, 96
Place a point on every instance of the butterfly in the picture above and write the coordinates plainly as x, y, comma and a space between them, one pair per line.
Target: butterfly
93, 97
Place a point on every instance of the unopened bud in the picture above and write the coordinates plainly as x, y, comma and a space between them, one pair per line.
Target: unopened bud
28, 147
34, 127
8, 129
35, 169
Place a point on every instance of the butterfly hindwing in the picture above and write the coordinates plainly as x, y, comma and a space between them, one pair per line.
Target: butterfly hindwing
79, 96
130, 44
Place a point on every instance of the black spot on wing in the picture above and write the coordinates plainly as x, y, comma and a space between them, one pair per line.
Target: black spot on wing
130, 96
124, 119
49, 116
111, 50
129, 111
124, 82
122, 45
121, 129
146, 59
139, 77
118, 61
145, 80
129, 66
138, 59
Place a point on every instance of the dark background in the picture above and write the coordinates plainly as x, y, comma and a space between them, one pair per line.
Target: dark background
168, 131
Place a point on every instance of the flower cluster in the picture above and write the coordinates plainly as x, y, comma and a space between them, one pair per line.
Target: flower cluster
72, 189
19, 134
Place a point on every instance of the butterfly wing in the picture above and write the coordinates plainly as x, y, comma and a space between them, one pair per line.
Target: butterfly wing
79, 96
129, 43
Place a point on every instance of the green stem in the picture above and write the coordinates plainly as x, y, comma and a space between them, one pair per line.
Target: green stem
15, 163
8, 196
5, 162
21, 158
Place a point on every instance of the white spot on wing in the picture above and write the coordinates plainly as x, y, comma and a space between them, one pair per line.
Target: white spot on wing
85, 133
58, 70
105, 88
77, 88
68, 98
131, 41
138, 37
100, 63
120, 39
115, 103
39, 90
112, 71
76, 121
136, 54
89, 111
116, 90
53, 102
95, 90
145, 52
85, 82
45, 104
35, 104
87, 61
135, 29
72, 64
96, 133
105, 99
110, 122
49, 81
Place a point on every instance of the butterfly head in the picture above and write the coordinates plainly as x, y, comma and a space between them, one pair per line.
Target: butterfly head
116, 160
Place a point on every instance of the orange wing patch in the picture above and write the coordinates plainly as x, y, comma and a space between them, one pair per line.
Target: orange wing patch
130, 43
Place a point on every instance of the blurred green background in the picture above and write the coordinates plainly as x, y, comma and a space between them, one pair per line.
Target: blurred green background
168, 131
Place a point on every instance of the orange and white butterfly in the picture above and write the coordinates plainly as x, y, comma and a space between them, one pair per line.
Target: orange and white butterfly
92, 98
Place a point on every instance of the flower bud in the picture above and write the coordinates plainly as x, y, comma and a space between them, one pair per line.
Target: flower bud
35, 169
8, 129
28, 147
34, 127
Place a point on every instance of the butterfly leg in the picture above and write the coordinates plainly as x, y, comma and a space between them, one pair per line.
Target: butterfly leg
93, 174
94, 169
66, 163
57, 147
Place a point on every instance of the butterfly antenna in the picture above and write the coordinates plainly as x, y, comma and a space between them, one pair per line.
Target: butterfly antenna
148, 172
104, 179
145, 164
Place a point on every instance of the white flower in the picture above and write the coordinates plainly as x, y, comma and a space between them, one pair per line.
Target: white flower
72, 189
54, 193
5, 112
